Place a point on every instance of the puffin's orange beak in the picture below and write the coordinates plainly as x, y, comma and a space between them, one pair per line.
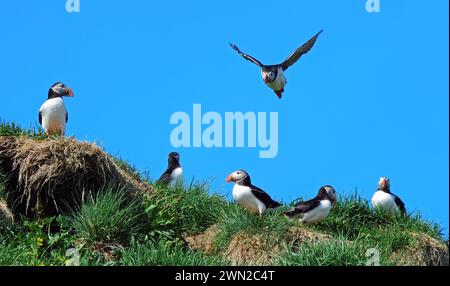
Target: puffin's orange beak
229, 178
69, 92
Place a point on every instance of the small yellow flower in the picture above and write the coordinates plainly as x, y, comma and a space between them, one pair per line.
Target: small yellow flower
40, 241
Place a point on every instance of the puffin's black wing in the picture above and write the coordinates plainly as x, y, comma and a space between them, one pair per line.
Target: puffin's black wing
40, 117
165, 177
303, 207
299, 52
247, 57
264, 197
400, 204
67, 116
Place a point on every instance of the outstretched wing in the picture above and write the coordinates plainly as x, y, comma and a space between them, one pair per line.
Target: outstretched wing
40, 117
245, 56
302, 207
306, 47
264, 197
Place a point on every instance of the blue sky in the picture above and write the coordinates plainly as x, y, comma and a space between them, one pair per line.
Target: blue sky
370, 99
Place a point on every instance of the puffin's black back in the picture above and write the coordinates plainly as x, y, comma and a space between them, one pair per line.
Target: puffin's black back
172, 164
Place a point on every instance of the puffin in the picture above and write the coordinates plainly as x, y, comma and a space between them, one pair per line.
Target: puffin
174, 172
385, 200
53, 115
273, 75
316, 209
248, 196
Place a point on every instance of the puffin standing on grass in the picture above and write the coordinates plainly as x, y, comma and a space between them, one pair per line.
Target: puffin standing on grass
314, 210
53, 115
174, 172
249, 196
385, 200
273, 75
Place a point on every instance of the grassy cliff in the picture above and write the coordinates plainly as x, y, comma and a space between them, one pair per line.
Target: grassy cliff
61, 199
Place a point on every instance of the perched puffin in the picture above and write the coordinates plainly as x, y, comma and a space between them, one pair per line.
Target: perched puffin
317, 209
174, 172
53, 114
273, 75
385, 200
248, 196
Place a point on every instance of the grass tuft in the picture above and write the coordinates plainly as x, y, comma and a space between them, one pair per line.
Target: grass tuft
174, 212
109, 217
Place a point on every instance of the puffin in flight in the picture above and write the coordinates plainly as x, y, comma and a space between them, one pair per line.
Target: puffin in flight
314, 210
174, 172
53, 115
248, 196
273, 75
385, 200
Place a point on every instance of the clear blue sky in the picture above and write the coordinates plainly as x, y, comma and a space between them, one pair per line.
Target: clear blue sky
370, 100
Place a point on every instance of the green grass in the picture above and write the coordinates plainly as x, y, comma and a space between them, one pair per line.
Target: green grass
13, 129
150, 231
33, 243
173, 212
110, 217
165, 254
329, 253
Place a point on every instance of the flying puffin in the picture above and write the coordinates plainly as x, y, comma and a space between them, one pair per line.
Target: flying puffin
248, 196
314, 210
53, 114
174, 172
273, 75
385, 200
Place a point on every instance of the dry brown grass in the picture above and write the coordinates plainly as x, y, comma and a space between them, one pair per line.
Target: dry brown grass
6, 216
425, 251
298, 235
254, 249
48, 176
204, 242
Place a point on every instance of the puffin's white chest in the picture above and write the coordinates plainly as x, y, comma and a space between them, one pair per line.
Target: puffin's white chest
53, 113
318, 213
280, 81
244, 197
384, 201
176, 176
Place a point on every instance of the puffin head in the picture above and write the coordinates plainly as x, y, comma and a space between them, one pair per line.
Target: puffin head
269, 75
174, 157
59, 89
384, 184
328, 192
237, 176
